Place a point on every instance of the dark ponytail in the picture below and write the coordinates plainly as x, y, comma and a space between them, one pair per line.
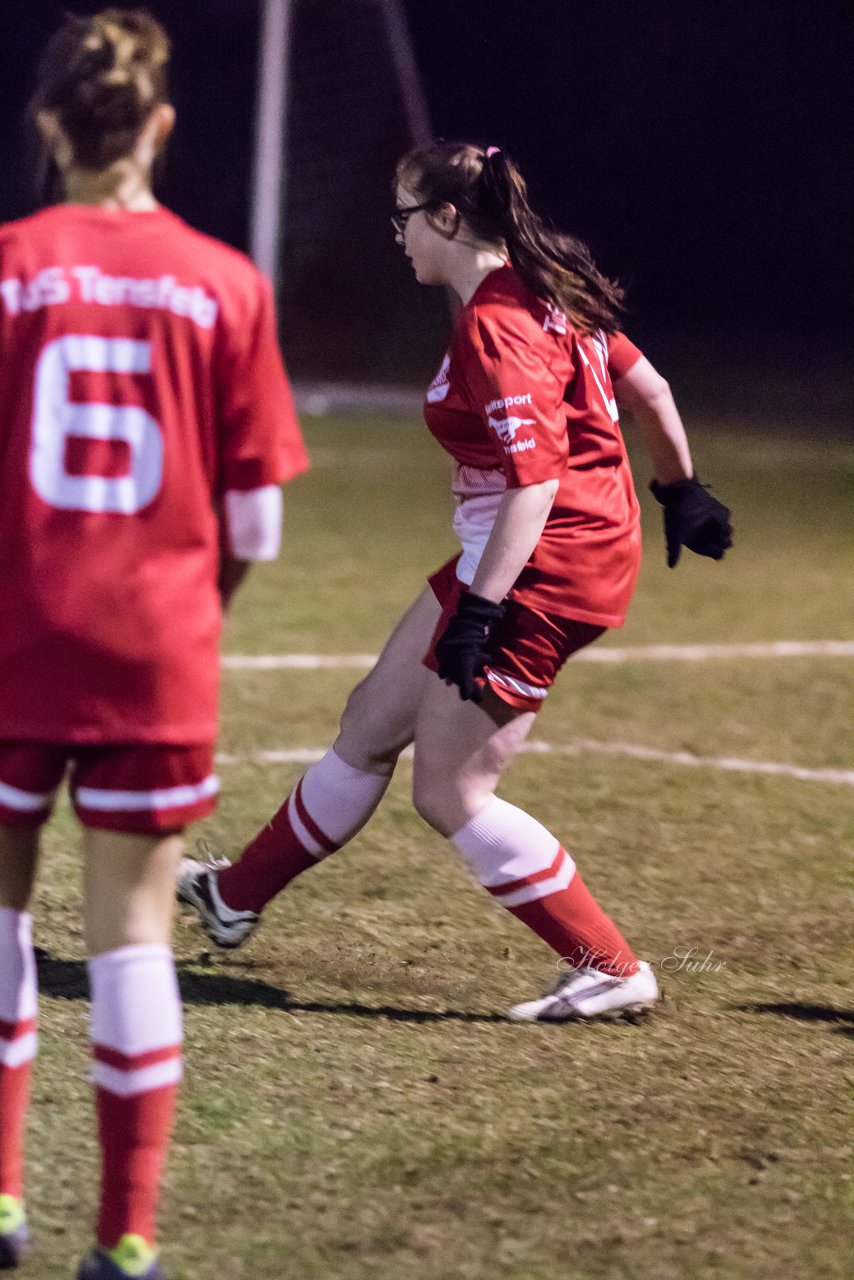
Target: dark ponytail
489, 192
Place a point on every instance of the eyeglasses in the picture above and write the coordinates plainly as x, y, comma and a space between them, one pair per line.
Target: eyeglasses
400, 217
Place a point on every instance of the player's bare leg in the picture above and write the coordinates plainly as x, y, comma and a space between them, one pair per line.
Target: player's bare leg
128, 889
461, 750
335, 797
19, 852
19, 849
136, 1034
381, 713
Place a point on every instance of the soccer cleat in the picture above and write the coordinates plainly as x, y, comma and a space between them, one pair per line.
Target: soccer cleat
587, 993
197, 887
132, 1259
14, 1233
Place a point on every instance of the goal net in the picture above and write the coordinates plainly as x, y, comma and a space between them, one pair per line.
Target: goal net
350, 308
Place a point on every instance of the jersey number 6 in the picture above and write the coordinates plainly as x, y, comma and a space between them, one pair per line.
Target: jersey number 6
56, 418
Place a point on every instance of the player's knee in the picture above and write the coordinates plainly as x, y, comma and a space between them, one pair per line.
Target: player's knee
364, 734
442, 801
358, 717
350, 715
18, 856
428, 802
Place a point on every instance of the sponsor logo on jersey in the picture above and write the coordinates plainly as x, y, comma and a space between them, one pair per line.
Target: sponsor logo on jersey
438, 388
519, 446
555, 321
506, 428
507, 402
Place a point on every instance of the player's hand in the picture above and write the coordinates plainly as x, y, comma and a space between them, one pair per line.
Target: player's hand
693, 519
463, 648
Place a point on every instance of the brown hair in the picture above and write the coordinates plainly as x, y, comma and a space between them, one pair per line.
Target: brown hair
102, 76
488, 191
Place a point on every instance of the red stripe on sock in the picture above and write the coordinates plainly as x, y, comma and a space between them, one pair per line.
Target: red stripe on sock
134, 1134
498, 890
15, 1030
134, 1061
14, 1096
575, 926
309, 823
274, 858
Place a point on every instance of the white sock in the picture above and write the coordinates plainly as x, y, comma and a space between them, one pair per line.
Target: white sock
18, 982
136, 1016
513, 855
136, 1050
18, 1041
338, 799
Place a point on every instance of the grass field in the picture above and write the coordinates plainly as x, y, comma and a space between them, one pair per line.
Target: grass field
356, 1105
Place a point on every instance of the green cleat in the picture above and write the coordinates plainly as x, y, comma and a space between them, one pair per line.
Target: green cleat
14, 1233
132, 1259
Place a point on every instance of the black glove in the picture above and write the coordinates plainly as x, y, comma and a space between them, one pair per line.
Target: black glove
463, 648
694, 519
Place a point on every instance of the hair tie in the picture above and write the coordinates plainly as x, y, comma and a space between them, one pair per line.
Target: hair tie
492, 151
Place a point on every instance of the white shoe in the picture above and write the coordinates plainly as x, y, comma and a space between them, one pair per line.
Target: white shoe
587, 993
197, 887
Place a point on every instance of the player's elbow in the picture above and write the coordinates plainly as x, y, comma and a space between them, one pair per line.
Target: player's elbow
542, 498
642, 390
658, 392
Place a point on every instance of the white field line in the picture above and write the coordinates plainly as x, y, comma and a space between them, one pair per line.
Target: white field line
587, 746
297, 661
635, 653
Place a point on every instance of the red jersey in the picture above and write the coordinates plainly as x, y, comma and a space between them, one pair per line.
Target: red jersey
523, 397
141, 393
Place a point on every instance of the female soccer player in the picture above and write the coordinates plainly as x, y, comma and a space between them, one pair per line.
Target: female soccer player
146, 422
547, 518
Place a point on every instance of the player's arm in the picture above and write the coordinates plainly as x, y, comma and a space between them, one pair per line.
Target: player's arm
530, 438
520, 521
250, 523
648, 398
521, 402
232, 574
260, 442
692, 516
232, 569
463, 648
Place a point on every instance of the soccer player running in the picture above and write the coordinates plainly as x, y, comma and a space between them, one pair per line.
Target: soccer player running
547, 518
146, 424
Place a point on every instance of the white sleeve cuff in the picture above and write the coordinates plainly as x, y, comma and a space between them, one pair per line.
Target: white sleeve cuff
254, 522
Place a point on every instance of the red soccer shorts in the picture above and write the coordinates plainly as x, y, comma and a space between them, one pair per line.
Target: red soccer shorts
139, 790
529, 647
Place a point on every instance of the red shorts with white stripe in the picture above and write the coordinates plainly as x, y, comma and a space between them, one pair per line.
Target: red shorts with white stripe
528, 647
140, 789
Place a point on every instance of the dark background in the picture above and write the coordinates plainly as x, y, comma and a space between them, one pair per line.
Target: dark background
699, 145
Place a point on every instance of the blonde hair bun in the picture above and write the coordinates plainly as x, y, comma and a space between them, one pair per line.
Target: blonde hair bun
102, 76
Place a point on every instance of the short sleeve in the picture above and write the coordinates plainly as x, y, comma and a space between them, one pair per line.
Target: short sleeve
516, 392
259, 436
622, 355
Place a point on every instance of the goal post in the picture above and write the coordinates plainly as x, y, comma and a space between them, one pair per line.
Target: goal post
339, 98
269, 167
408, 76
